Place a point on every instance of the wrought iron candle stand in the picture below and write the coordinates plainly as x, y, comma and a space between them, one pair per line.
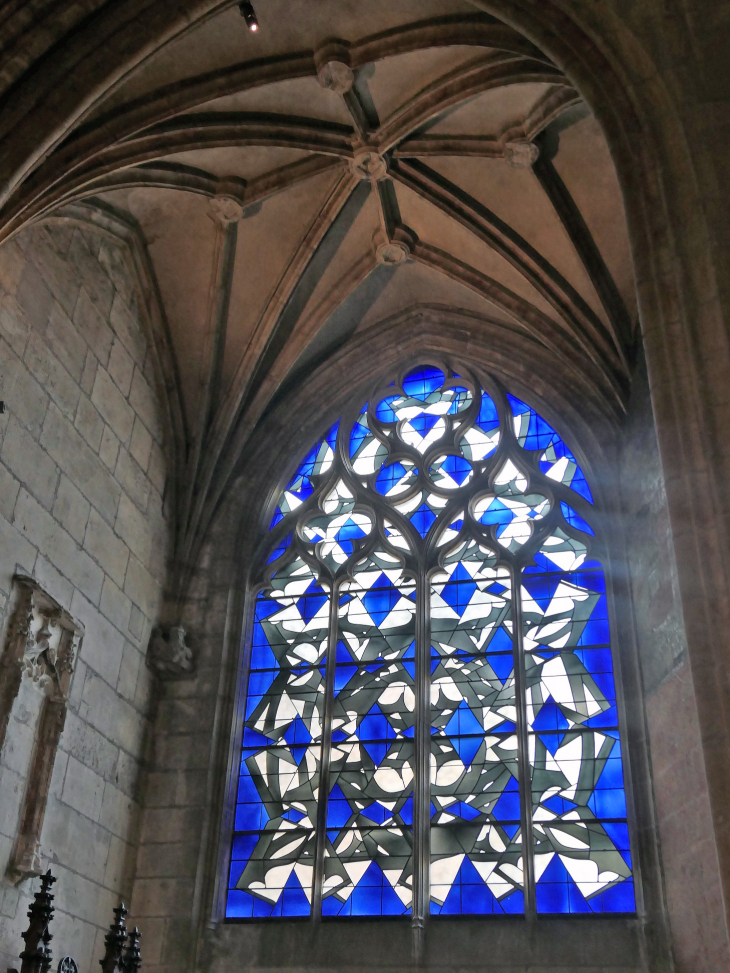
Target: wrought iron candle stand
121, 955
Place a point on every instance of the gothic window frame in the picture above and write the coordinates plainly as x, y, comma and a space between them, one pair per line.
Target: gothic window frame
508, 448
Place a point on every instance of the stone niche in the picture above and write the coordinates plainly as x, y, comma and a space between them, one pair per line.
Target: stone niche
39, 648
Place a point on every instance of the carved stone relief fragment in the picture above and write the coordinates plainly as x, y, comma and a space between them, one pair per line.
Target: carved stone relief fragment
41, 645
169, 655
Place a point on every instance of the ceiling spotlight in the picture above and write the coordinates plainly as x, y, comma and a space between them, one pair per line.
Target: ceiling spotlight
249, 14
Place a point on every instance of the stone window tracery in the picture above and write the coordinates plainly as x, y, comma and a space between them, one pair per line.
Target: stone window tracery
430, 721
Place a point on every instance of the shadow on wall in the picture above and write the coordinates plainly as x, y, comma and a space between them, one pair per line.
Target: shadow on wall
82, 472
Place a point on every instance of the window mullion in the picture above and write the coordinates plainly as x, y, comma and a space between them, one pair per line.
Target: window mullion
325, 756
523, 745
421, 793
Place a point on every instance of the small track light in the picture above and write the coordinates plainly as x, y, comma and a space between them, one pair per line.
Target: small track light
249, 14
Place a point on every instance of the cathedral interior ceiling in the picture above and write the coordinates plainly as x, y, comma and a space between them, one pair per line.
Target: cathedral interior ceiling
285, 192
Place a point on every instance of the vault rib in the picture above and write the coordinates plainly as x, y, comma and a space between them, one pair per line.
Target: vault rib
98, 51
83, 145
283, 290
93, 138
456, 30
208, 132
357, 113
555, 101
580, 319
246, 374
305, 330
585, 246
456, 87
540, 325
470, 30
170, 175
214, 339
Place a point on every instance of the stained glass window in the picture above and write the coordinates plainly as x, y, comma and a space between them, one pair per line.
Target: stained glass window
430, 721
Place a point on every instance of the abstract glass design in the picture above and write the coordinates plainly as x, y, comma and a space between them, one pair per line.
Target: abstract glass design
476, 841
580, 835
430, 721
278, 785
368, 867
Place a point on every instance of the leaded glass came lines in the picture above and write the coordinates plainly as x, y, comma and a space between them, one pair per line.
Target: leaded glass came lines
476, 843
278, 788
368, 867
430, 674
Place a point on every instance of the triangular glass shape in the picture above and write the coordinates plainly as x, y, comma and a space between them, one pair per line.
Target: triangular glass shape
311, 602
424, 423
375, 726
423, 519
550, 717
459, 590
464, 723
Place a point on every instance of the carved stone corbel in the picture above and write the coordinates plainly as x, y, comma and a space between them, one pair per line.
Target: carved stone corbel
334, 72
169, 655
521, 154
41, 645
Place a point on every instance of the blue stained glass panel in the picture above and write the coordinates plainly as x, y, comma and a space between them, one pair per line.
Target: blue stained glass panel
461, 399
481, 439
280, 549
366, 887
469, 892
276, 804
488, 418
531, 429
385, 411
369, 869
423, 382
556, 461
367, 452
582, 860
423, 519
318, 460
476, 862
575, 520
575, 787
396, 478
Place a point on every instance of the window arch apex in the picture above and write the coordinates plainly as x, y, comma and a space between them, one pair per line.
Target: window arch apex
451, 439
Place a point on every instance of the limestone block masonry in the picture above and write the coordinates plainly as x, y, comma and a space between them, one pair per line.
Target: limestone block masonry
82, 478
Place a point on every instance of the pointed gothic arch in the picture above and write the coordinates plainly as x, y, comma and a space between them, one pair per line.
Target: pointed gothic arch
430, 543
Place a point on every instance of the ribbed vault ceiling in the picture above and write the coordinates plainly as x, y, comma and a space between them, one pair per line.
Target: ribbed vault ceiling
346, 163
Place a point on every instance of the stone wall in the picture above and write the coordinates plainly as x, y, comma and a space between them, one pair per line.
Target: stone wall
681, 800
178, 860
82, 480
